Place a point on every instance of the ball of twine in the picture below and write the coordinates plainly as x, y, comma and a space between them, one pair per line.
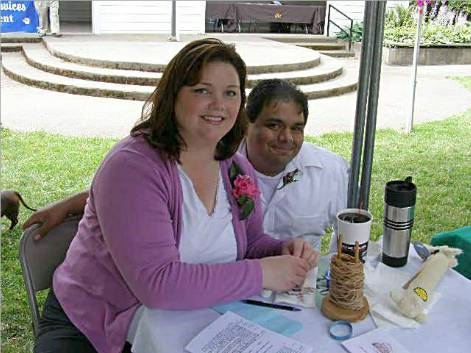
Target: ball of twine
346, 282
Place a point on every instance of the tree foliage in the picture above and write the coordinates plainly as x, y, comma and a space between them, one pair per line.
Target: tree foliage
457, 5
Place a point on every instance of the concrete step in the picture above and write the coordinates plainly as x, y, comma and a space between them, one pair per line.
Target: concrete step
15, 66
338, 53
321, 46
20, 38
300, 38
9, 47
345, 83
328, 69
38, 56
156, 55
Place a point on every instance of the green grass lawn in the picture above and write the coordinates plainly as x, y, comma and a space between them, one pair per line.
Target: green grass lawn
45, 168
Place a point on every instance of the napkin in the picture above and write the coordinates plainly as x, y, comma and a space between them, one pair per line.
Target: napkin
379, 281
306, 296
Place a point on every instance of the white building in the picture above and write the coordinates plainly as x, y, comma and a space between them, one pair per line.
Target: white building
155, 16
134, 16
147, 16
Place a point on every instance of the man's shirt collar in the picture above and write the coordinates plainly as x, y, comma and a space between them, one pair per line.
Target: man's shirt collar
305, 158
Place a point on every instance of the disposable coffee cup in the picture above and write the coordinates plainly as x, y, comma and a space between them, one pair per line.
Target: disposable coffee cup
354, 224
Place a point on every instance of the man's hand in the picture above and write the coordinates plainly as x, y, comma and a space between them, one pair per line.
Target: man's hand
302, 249
55, 213
49, 217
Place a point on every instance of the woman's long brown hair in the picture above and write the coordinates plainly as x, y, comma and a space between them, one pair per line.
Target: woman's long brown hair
158, 113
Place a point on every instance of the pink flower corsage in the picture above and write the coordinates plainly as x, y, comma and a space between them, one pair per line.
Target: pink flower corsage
244, 190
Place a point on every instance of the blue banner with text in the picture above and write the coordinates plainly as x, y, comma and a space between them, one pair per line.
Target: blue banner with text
18, 16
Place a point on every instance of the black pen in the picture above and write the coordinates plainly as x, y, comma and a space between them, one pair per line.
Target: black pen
270, 305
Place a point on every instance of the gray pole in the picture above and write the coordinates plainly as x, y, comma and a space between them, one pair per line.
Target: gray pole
372, 107
362, 97
173, 35
410, 119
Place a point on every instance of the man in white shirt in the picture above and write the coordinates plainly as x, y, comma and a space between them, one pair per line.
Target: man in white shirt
303, 186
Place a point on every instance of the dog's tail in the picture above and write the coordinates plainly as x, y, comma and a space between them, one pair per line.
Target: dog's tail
23, 202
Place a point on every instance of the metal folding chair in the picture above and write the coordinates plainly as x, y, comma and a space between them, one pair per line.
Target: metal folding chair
39, 260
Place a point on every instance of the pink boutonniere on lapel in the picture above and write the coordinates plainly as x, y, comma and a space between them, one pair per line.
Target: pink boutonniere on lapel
289, 178
244, 190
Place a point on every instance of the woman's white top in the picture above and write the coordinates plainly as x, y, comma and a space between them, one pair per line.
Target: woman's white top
204, 238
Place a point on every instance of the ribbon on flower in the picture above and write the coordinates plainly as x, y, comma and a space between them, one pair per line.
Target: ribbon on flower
421, 3
289, 178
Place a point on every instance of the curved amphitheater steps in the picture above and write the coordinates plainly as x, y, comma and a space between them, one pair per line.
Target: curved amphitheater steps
325, 45
37, 56
9, 47
16, 67
35, 66
153, 56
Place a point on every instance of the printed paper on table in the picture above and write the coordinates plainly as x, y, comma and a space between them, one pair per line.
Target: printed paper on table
231, 333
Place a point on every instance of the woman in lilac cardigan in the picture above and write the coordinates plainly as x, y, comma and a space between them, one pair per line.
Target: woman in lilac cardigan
127, 252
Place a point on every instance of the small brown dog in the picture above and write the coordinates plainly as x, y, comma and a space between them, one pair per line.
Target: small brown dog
11, 205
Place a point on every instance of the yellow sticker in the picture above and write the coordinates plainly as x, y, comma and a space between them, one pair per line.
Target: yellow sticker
422, 293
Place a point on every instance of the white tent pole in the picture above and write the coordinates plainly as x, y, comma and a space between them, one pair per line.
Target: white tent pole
410, 121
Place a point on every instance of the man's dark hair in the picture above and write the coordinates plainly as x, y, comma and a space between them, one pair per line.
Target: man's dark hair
274, 90
158, 114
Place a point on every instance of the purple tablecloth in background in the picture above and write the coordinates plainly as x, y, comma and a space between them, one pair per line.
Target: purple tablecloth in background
235, 12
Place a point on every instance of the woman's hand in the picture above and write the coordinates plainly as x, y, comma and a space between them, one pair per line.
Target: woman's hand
55, 213
302, 249
282, 273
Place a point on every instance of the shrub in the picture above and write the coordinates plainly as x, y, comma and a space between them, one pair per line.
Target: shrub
357, 32
431, 34
437, 34
404, 35
400, 16
401, 27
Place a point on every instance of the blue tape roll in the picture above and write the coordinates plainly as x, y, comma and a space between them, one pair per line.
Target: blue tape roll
340, 330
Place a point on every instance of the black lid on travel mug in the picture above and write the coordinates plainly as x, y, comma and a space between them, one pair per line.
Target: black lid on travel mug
400, 193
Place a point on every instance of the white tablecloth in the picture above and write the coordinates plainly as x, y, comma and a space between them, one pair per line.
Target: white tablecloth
447, 329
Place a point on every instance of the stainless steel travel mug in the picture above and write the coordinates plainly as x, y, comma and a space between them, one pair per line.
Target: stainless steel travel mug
399, 210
